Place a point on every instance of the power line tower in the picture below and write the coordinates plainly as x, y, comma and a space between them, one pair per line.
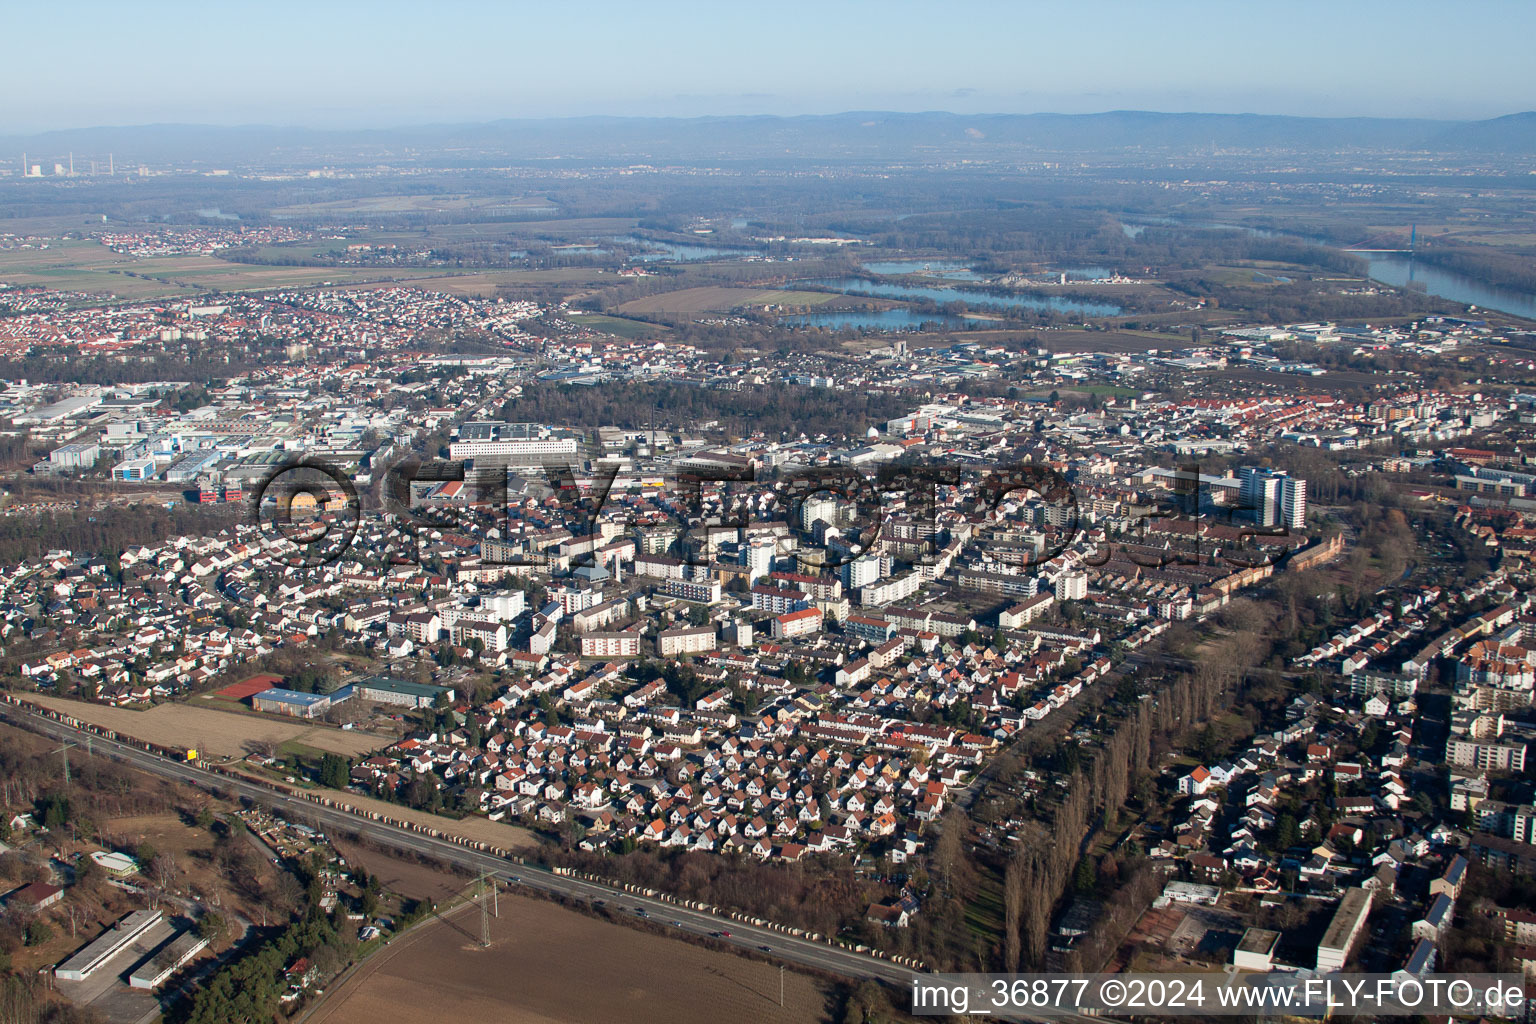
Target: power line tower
65, 751
485, 910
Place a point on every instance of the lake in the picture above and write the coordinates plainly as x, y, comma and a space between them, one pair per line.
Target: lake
679, 252
969, 296
878, 320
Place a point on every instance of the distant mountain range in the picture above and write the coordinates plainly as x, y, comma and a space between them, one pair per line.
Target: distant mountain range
854, 135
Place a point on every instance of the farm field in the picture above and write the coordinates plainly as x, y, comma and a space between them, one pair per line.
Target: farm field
486, 283
435, 203
548, 964
86, 266
721, 298
225, 734
616, 325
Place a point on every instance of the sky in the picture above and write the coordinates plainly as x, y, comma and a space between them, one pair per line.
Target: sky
381, 63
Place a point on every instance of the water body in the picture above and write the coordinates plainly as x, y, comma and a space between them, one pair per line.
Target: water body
675, 252
969, 296
214, 213
1399, 270
879, 320
957, 270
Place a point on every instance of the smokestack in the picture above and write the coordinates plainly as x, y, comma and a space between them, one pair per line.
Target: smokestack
71, 165
111, 165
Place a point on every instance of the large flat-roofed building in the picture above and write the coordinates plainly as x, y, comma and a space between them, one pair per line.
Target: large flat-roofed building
670, 642
278, 701
154, 972
610, 645
514, 442
82, 455
1344, 930
134, 469
696, 591
65, 408
192, 466
96, 953
385, 690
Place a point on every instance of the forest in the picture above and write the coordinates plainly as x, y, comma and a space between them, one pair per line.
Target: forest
789, 410
109, 528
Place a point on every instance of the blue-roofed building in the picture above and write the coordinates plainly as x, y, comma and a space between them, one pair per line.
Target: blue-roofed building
278, 701
1420, 962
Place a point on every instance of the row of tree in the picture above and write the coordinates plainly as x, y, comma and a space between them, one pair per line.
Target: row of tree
1044, 861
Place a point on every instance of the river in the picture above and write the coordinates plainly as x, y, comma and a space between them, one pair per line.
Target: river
1399, 270
1402, 271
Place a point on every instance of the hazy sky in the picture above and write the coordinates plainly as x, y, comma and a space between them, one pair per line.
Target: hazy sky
342, 63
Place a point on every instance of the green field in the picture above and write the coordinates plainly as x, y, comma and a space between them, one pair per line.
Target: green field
721, 298
490, 206
88, 266
1102, 390
615, 325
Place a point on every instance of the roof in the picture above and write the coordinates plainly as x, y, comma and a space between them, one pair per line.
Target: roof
1346, 919
399, 686
34, 893
279, 695
807, 613
1258, 940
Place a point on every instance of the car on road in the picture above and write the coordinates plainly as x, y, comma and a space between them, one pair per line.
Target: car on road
766, 949
642, 912
517, 878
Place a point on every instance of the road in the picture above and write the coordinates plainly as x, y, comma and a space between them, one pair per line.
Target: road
818, 956
804, 952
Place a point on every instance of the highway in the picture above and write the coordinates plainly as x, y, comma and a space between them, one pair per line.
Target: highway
804, 952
